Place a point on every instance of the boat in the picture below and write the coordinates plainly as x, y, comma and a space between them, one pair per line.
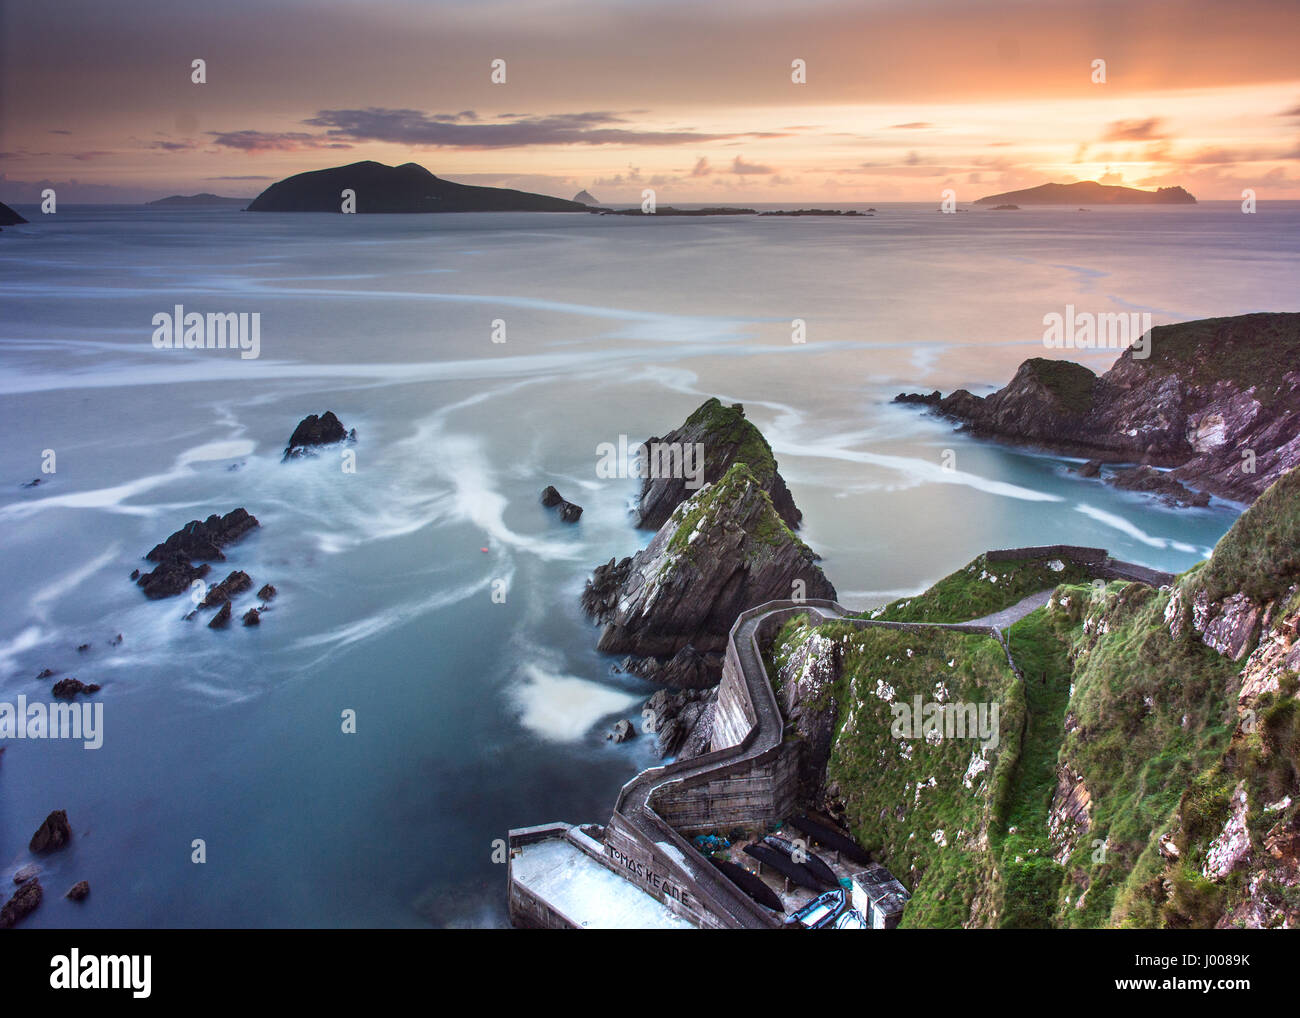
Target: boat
820, 913
830, 837
751, 883
797, 872
851, 919
816, 865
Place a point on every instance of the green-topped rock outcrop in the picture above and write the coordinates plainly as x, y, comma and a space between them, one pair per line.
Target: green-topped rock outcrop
721, 551
727, 438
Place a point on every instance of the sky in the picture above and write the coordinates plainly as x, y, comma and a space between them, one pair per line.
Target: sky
901, 99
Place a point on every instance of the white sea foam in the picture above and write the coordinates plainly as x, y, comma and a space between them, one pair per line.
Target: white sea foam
1137, 533
563, 708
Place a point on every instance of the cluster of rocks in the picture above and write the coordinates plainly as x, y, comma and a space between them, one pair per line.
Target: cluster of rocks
198, 541
51, 836
1217, 400
570, 512
313, 431
681, 720
1151, 481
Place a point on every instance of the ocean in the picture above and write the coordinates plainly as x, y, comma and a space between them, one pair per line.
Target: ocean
475, 714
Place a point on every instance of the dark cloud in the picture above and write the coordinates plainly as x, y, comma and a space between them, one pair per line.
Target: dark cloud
265, 141
1133, 130
460, 130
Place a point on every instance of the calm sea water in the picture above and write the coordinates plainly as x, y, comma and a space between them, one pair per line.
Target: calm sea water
473, 716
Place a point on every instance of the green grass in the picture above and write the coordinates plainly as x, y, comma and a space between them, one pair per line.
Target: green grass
1071, 384
726, 425
1245, 349
1260, 555
720, 499
878, 771
969, 593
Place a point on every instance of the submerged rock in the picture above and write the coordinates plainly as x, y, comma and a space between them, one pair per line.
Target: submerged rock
222, 618
197, 540
1159, 483
623, 730
252, 617
266, 593
79, 890
26, 873
53, 834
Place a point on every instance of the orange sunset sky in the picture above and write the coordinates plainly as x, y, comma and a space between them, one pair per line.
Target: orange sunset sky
902, 99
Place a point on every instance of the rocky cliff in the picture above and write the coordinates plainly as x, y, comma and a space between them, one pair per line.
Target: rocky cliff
727, 438
721, 551
1148, 768
1217, 400
8, 217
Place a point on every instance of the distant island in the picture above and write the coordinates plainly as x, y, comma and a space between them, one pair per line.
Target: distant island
406, 188
198, 199
585, 197
1091, 192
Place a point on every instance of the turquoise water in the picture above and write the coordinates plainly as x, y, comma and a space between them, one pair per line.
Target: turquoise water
475, 716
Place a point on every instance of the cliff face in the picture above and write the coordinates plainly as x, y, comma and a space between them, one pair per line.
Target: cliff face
727, 438
723, 550
406, 188
1218, 399
1148, 773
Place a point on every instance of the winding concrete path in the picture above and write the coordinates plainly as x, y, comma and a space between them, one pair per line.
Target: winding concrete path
633, 806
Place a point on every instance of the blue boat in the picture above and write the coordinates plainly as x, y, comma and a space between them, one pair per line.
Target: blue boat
820, 913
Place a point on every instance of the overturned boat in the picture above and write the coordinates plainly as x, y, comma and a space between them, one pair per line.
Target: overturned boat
798, 854
831, 837
750, 883
784, 865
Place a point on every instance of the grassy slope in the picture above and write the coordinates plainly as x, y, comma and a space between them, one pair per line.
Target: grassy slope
971, 592
727, 425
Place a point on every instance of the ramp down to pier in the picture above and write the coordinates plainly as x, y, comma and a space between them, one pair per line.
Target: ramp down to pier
747, 779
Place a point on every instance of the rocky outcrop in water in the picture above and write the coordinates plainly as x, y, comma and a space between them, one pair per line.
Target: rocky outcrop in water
78, 891
570, 512
8, 217
23, 903
1218, 400
236, 583
52, 835
723, 550
313, 431
67, 689
198, 539
726, 438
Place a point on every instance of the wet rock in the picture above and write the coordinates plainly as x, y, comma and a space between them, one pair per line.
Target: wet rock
32, 483
67, 689
135, 574
234, 584
1161, 484
22, 904
79, 890
46, 673
1090, 469
83, 648
623, 731
26, 873
921, 398
569, 511
252, 617
203, 540
52, 835
266, 593
313, 431
172, 576
222, 618
723, 550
